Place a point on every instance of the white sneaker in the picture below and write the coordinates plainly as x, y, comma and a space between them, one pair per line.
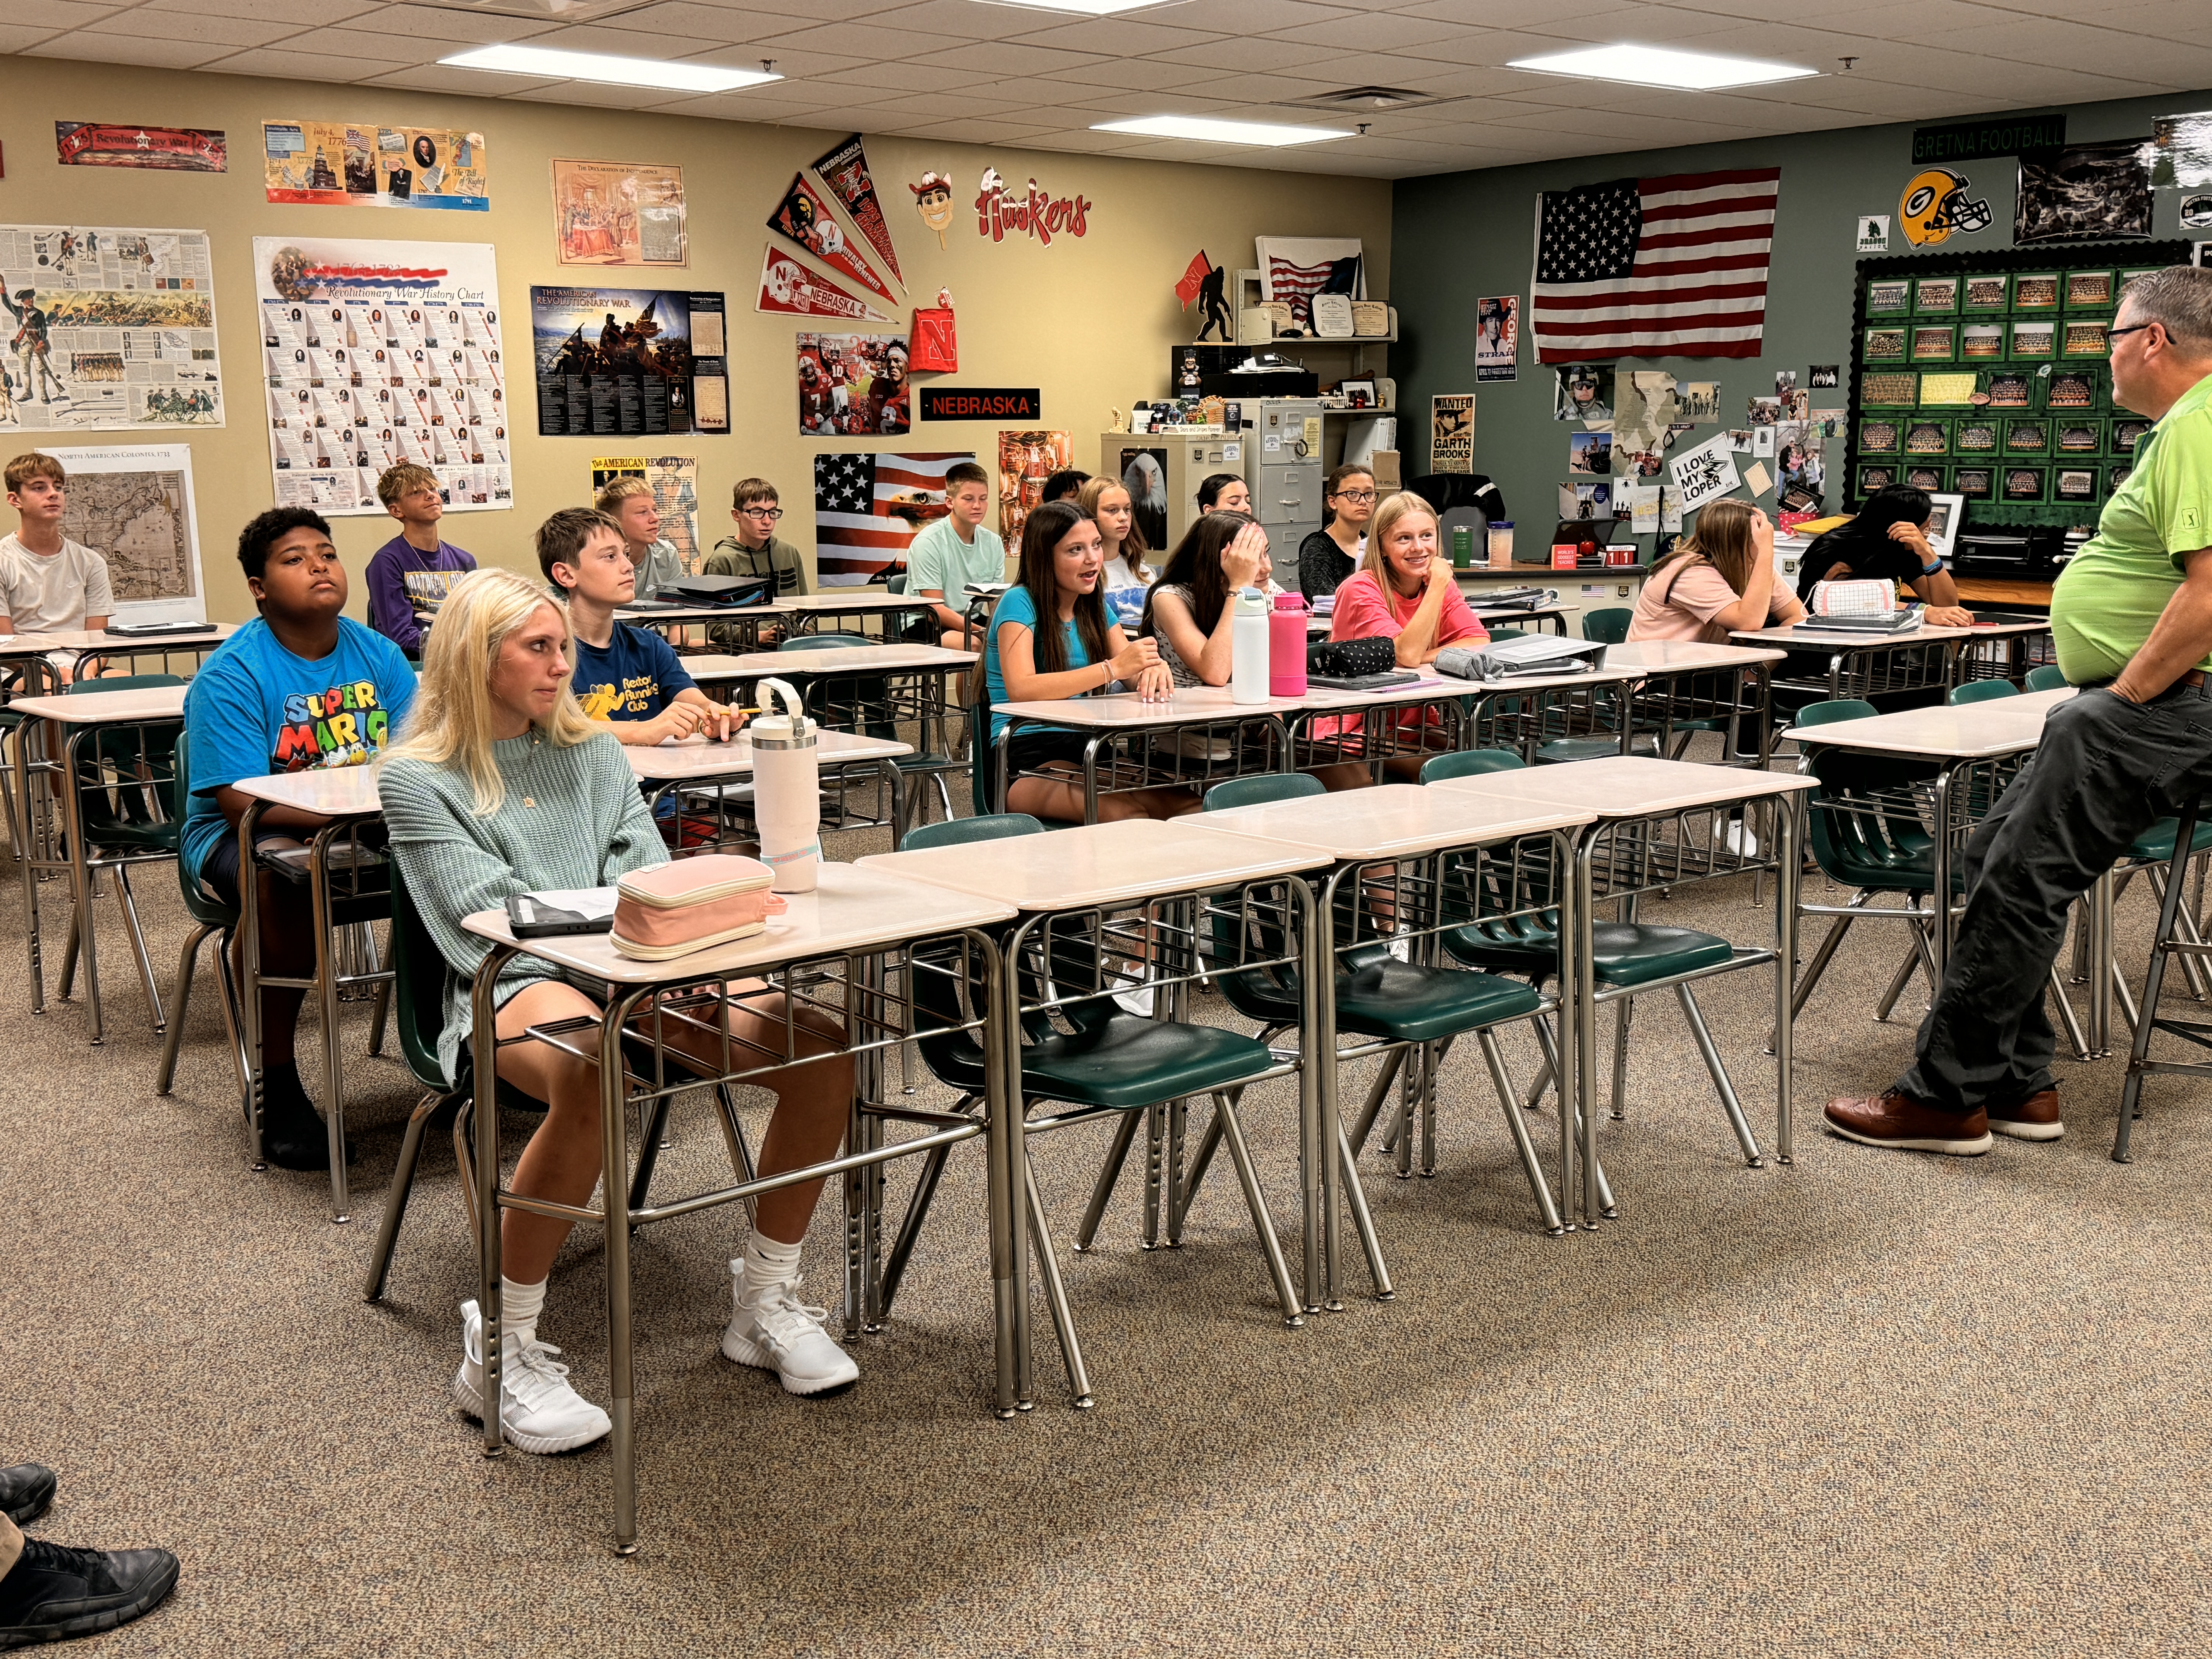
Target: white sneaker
538, 1412
1402, 949
1136, 1000
772, 1329
1740, 842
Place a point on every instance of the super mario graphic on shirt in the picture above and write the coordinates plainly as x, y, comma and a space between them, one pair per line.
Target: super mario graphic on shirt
340, 726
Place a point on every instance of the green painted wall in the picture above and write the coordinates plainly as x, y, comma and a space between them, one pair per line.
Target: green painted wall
1457, 236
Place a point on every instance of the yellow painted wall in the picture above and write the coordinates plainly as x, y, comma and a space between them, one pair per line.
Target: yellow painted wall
1086, 320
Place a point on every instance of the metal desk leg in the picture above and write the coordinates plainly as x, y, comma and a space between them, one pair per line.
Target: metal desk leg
1319, 1171
26, 734
2101, 953
1788, 813
485, 1117
249, 990
614, 1189
1950, 804
1009, 1287
81, 881
326, 989
1577, 1098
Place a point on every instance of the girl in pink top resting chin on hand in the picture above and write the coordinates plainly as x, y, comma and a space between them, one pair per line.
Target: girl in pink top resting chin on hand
1720, 578
1404, 589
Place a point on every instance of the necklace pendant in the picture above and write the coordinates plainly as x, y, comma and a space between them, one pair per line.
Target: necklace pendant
526, 801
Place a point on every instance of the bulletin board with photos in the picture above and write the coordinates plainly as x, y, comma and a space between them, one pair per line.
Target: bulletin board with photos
1986, 375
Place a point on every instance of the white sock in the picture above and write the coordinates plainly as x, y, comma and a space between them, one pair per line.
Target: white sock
767, 1261
519, 1308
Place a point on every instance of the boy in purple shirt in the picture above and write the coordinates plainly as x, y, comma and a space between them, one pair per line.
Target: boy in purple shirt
410, 575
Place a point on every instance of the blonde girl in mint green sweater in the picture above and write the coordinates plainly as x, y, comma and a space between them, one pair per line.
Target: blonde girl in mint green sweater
498, 785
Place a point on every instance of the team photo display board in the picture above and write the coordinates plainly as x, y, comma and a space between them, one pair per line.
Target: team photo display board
377, 353
1987, 376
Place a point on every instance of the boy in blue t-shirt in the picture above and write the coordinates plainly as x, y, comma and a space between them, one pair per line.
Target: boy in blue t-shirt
627, 675
301, 686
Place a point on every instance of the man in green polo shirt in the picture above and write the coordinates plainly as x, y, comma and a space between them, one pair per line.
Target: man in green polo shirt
2132, 616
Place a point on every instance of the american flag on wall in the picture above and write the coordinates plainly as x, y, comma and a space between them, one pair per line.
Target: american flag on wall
1672, 267
868, 508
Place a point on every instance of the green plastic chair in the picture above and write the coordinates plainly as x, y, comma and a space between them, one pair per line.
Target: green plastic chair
2046, 676
1625, 956
1979, 692
961, 832
1608, 626
1469, 763
1107, 1063
895, 583
211, 919
1403, 1007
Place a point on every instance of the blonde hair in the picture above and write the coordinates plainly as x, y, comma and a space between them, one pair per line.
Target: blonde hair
1134, 546
1722, 537
1380, 526
619, 491
451, 722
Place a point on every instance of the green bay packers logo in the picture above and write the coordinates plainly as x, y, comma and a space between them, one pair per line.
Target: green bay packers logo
1934, 203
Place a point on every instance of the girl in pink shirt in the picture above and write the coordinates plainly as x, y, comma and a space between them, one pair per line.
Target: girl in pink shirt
1719, 578
1404, 589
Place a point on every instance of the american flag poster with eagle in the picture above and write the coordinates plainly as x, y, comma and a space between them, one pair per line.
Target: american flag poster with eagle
868, 508
1668, 267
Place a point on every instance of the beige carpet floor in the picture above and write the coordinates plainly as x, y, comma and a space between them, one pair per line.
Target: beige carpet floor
1871, 1404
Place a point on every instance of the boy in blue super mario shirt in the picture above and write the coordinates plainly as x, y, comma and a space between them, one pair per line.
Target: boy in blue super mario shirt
302, 686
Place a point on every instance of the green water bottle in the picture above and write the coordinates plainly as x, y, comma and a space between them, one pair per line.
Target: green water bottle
1463, 546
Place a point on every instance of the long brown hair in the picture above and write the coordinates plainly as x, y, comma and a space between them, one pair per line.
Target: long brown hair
1722, 539
1042, 533
1195, 566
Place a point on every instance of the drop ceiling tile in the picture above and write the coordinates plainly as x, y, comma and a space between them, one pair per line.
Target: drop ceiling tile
299, 13
582, 94
232, 32
1000, 57
791, 65
2052, 42
13, 39
1244, 17
82, 47
1250, 53
52, 14
1382, 32
1117, 37
953, 20
707, 25
292, 65
1147, 74
468, 83
1522, 14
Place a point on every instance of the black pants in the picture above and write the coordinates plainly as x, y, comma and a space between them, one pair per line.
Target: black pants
2105, 770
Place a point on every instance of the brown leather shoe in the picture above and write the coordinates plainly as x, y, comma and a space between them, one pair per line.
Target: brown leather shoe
1897, 1121
2035, 1118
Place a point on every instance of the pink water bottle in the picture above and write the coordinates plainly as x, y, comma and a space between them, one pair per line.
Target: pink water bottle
1286, 646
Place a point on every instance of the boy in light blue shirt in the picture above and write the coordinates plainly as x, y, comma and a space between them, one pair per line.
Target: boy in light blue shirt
953, 552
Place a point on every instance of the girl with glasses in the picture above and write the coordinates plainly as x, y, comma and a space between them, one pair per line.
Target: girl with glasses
1333, 552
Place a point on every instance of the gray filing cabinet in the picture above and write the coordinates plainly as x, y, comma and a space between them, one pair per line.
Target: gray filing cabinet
1283, 464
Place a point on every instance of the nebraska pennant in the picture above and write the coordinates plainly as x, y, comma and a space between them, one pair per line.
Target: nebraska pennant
789, 287
805, 219
845, 170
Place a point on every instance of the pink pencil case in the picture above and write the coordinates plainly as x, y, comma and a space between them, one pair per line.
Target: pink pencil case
691, 904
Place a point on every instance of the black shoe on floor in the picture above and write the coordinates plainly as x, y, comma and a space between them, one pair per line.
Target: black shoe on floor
25, 1491
54, 1593
292, 1134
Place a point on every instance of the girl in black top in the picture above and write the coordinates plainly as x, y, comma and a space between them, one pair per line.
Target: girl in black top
1332, 553
1887, 542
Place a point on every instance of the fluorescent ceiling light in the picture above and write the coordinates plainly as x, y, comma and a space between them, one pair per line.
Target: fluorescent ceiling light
1659, 66
545, 61
1207, 130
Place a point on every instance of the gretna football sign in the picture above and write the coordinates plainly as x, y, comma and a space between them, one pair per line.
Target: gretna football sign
969, 403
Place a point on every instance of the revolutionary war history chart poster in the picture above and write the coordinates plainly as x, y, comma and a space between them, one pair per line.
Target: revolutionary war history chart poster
629, 362
107, 328
377, 353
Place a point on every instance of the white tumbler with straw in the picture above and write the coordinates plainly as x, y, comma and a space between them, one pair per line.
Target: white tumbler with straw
787, 790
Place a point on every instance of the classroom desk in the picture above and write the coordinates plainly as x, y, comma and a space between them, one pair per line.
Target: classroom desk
347, 795
1163, 872
96, 649
1976, 749
810, 611
698, 761
1195, 737
1522, 714
669, 622
1689, 680
1397, 824
858, 925
1536, 619
1926, 659
856, 687
47, 750
1631, 798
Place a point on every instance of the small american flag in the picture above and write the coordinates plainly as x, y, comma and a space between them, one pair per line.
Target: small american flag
1672, 267
868, 508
